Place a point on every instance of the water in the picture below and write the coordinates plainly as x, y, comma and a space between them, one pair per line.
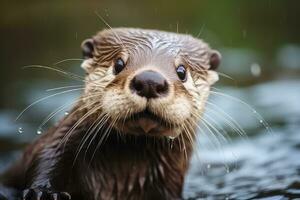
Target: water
20, 130
39, 132
260, 45
266, 166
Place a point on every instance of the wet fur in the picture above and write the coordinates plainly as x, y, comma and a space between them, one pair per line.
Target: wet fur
90, 155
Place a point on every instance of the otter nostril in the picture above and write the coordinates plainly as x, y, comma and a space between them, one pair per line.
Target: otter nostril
149, 84
162, 88
138, 85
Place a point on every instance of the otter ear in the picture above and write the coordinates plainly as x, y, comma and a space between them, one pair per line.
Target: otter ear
87, 47
214, 60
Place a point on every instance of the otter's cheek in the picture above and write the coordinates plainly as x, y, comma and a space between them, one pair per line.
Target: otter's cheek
175, 111
181, 109
117, 105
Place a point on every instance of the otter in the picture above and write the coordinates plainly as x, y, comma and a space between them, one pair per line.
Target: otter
132, 132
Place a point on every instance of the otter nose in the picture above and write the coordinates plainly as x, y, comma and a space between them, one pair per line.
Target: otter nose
149, 84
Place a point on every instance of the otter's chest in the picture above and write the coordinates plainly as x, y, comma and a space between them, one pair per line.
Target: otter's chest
127, 175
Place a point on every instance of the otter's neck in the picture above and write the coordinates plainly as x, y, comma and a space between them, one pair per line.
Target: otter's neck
139, 167
117, 165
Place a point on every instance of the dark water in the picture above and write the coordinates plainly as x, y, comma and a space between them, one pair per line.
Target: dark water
268, 167
263, 166
260, 44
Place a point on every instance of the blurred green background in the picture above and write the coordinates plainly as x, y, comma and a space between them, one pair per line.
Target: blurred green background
259, 41
44, 32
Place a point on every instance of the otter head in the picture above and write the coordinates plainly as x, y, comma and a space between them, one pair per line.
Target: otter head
148, 82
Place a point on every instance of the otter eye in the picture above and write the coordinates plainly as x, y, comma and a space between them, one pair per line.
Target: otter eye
119, 65
181, 72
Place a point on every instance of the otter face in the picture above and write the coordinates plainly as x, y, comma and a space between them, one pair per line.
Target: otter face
148, 82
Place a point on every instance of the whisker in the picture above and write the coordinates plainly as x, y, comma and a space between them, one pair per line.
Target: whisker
44, 98
125, 117
219, 144
56, 111
68, 74
64, 87
216, 139
85, 116
116, 35
201, 30
195, 149
226, 76
68, 59
190, 135
225, 138
96, 124
105, 134
233, 124
96, 129
184, 147
255, 113
209, 125
52, 114
64, 73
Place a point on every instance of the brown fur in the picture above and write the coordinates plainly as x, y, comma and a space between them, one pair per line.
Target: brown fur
92, 153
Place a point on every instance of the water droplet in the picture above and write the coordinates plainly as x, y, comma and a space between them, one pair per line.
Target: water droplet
261, 121
20, 130
171, 145
66, 113
208, 166
226, 198
171, 141
254, 111
39, 132
255, 69
171, 137
227, 171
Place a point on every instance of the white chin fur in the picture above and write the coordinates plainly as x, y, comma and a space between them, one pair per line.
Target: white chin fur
87, 65
212, 77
